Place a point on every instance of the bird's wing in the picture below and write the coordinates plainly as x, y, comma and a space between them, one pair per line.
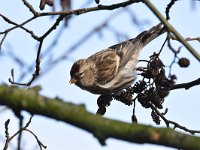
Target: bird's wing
107, 63
125, 51
110, 61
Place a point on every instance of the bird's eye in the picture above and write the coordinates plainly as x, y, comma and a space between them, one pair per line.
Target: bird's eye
80, 74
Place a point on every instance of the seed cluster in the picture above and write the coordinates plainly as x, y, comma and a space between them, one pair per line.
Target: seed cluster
150, 91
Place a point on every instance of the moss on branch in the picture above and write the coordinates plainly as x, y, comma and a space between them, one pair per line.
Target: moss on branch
102, 128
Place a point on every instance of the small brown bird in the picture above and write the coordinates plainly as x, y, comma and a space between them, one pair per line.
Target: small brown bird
113, 69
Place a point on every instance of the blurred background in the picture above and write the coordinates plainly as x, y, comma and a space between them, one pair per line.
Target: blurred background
79, 37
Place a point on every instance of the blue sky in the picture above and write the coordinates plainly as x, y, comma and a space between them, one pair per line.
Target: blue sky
183, 105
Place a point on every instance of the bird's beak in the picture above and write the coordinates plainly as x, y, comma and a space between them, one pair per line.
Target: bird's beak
72, 81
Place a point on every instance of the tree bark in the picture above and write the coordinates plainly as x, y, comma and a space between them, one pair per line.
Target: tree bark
30, 100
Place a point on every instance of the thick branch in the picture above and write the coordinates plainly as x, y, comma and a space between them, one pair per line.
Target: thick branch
100, 127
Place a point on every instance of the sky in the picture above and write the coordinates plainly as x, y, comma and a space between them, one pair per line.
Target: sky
183, 105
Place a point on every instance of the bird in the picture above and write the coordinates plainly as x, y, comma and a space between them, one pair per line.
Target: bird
111, 70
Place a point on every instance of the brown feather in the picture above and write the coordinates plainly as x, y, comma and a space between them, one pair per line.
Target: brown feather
107, 67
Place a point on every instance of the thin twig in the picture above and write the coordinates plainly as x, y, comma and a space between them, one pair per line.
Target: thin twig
162, 46
9, 139
186, 39
40, 144
30, 7
7, 134
60, 18
175, 55
18, 26
175, 124
20, 133
169, 6
193, 39
91, 9
4, 37
37, 69
186, 85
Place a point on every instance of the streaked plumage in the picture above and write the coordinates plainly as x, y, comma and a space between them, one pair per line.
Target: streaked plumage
113, 69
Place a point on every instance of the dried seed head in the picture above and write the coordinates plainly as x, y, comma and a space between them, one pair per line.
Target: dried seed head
184, 62
143, 100
104, 100
155, 117
162, 92
154, 98
139, 86
134, 118
125, 97
101, 111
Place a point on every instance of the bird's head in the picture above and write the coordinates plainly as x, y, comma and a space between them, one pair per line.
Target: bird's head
82, 74
76, 73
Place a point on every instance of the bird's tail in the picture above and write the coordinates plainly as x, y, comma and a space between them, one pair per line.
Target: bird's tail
151, 34
143, 38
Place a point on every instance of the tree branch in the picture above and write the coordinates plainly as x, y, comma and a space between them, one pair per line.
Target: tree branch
91, 9
186, 85
101, 128
170, 28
